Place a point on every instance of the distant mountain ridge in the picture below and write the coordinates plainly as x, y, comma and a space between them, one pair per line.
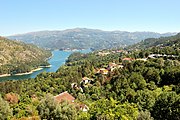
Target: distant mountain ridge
83, 38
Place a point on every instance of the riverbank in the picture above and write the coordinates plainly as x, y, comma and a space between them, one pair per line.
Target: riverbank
26, 73
5, 75
48, 66
57, 59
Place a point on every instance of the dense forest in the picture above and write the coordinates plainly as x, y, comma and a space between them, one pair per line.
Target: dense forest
18, 57
131, 84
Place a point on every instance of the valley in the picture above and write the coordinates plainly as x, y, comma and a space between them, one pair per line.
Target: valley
136, 82
58, 58
90, 60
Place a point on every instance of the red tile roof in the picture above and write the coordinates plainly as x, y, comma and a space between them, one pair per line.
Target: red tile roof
65, 96
112, 64
85, 78
128, 59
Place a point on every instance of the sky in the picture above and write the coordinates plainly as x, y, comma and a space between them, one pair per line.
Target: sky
22, 16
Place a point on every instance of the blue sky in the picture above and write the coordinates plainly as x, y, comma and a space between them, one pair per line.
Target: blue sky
21, 16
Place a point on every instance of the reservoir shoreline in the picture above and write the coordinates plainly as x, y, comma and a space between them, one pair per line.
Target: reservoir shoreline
26, 73
57, 59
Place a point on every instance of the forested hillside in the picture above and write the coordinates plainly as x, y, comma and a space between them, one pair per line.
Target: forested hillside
114, 84
18, 57
159, 42
82, 38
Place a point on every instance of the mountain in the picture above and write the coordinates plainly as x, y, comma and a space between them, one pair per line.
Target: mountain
18, 57
82, 38
172, 41
105, 84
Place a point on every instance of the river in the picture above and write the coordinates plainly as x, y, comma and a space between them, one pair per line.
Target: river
58, 59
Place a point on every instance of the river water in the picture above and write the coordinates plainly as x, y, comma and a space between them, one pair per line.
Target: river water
58, 59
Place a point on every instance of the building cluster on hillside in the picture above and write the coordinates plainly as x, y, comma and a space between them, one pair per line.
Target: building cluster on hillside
108, 69
104, 53
85, 82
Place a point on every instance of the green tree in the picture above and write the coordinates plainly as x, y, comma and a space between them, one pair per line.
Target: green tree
137, 81
104, 109
5, 110
171, 76
152, 74
83, 115
50, 109
145, 115
167, 107
145, 99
